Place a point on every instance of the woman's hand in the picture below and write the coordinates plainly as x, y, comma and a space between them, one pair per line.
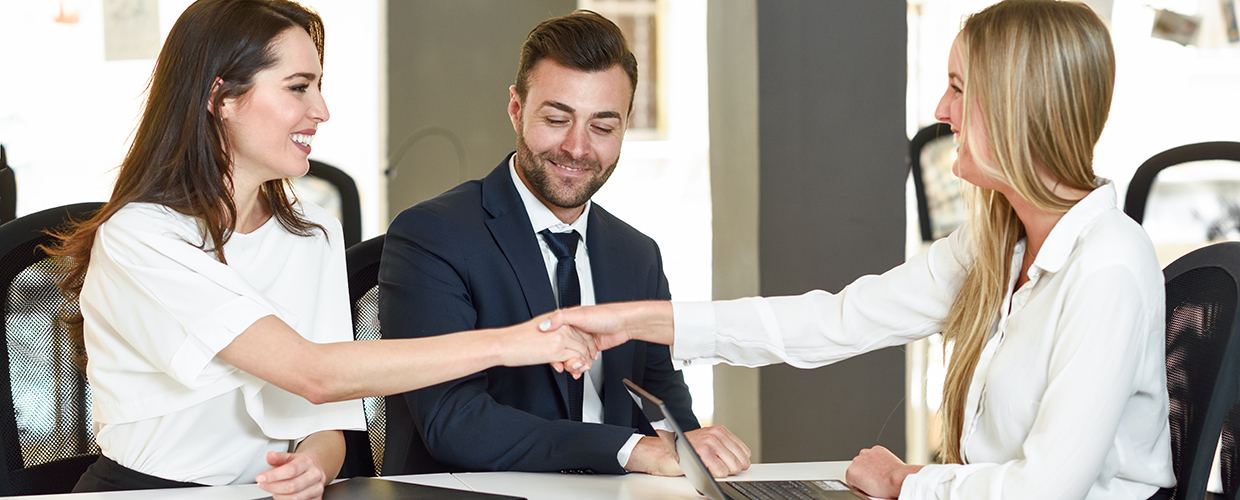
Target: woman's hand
565, 348
293, 476
613, 324
878, 473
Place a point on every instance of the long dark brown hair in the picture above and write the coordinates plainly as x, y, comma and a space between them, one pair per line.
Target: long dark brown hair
179, 157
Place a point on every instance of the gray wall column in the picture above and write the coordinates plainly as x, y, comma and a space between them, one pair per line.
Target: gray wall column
830, 177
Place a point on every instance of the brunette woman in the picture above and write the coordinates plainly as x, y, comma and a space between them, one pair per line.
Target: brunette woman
214, 305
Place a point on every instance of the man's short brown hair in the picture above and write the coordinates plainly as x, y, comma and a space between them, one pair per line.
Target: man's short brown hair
584, 41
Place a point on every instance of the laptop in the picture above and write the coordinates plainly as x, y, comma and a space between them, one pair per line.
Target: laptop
696, 471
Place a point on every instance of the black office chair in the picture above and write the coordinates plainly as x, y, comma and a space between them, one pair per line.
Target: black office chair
334, 190
1143, 180
364, 450
940, 208
8, 189
45, 423
1203, 360
1229, 458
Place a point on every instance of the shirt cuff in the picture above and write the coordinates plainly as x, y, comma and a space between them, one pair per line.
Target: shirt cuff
694, 330
930, 482
622, 456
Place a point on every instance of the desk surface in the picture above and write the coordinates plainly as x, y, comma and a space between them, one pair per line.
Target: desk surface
535, 486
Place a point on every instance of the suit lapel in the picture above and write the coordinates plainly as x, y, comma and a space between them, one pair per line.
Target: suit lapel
613, 282
513, 233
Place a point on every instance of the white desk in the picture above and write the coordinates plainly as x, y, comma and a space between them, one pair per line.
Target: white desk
551, 486
534, 486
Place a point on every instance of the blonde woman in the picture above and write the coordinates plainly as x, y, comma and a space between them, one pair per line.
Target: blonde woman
1051, 296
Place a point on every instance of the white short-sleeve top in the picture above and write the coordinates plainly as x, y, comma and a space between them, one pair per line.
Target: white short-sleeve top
1069, 397
157, 308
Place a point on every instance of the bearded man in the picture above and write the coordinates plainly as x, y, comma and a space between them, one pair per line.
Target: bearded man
524, 241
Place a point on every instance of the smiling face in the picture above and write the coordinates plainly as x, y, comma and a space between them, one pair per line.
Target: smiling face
270, 127
973, 143
569, 130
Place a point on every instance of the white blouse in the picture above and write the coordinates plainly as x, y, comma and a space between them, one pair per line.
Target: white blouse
1069, 398
157, 309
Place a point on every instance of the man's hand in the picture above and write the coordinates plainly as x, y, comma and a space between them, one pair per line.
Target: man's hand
878, 473
293, 476
654, 456
721, 451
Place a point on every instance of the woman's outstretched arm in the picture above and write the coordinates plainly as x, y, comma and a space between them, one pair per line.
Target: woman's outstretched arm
270, 350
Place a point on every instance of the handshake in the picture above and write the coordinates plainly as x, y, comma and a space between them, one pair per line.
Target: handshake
571, 339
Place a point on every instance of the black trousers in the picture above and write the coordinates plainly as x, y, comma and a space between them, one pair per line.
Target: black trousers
107, 475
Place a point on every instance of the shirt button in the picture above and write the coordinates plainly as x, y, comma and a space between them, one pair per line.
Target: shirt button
688, 362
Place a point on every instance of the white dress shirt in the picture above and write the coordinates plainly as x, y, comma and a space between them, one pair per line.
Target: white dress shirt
542, 218
1069, 397
157, 309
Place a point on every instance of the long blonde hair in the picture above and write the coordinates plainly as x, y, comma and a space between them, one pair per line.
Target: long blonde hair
1041, 73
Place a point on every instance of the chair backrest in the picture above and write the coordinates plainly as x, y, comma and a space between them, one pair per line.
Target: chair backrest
341, 197
940, 208
45, 425
1203, 358
8, 189
1143, 180
364, 451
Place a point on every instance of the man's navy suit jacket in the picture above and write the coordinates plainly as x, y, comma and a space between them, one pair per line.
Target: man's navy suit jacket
469, 259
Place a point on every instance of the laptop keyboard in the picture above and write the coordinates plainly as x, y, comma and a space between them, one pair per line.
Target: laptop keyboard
779, 490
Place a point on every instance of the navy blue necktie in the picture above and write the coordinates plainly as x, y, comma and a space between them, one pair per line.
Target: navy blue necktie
564, 247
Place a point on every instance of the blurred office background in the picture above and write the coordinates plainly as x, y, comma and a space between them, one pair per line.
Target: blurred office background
767, 155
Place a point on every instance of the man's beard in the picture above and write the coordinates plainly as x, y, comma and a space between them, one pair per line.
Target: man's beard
534, 169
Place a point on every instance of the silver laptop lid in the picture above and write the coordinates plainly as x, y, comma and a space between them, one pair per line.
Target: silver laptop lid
690, 463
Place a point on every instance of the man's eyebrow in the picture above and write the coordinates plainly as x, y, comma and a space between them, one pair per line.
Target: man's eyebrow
560, 106
308, 76
569, 109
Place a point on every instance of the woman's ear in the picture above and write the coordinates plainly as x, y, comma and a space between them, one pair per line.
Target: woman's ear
215, 89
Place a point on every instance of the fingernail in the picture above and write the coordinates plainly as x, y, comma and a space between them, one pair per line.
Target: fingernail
576, 366
545, 325
596, 355
261, 479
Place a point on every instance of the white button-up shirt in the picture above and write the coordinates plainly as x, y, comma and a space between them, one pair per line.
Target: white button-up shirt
1069, 397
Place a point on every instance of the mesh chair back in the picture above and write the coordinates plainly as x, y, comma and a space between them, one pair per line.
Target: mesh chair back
8, 189
335, 191
940, 208
1229, 459
364, 455
1203, 358
45, 421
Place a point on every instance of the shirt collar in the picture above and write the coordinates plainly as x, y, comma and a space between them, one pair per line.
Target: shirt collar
1064, 235
541, 216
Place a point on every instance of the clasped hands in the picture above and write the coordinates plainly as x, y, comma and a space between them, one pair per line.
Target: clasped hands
597, 328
